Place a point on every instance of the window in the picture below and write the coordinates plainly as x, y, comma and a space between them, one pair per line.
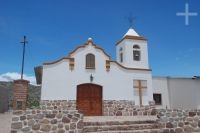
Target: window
121, 55
90, 61
157, 98
136, 53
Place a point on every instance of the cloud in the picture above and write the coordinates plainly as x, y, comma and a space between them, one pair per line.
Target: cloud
10, 76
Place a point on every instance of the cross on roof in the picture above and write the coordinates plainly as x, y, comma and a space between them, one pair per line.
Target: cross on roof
130, 19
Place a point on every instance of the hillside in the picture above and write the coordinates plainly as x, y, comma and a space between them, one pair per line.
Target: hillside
34, 93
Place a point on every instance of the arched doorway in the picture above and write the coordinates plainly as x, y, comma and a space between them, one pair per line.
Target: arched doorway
89, 99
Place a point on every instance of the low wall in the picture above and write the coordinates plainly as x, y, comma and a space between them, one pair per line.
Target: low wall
54, 121
110, 107
59, 116
179, 120
126, 108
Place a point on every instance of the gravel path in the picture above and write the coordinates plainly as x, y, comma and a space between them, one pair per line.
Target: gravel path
5, 122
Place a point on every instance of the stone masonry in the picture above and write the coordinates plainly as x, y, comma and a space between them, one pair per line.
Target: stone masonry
46, 121
61, 116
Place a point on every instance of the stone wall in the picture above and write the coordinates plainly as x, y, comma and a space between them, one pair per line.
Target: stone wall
110, 107
126, 108
179, 120
61, 116
47, 121
58, 104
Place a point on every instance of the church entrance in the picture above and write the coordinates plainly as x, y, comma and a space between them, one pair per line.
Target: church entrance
89, 99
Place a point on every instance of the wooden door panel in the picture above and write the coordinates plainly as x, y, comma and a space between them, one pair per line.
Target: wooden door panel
89, 99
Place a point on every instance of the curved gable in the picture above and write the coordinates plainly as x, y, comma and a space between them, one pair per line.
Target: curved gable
69, 56
86, 44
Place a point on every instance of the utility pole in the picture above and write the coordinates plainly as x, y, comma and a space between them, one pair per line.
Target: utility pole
24, 42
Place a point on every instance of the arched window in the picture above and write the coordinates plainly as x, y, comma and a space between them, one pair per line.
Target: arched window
90, 61
121, 55
136, 53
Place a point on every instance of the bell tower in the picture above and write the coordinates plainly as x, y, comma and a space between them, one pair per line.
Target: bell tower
132, 50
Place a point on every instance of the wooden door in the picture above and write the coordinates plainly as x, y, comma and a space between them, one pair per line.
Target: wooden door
89, 99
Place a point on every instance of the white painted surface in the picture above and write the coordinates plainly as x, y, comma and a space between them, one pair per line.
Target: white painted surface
128, 61
131, 32
59, 82
160, 86
178, 92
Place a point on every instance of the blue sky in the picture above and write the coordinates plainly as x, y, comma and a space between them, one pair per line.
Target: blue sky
54, 28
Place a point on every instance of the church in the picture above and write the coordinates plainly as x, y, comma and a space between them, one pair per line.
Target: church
89, 76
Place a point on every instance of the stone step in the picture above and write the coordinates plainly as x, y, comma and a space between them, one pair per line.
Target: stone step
120, 127
119, 124
131, 131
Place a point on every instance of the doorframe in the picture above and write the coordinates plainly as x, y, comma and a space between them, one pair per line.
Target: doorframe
102, 107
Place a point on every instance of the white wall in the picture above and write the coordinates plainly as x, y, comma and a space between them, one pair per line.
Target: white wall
184, 93
178, 92
59, 82
127, 46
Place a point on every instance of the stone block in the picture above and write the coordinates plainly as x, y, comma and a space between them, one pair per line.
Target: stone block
188, 128
60, 125
153, 112
30, 117
54, 121
31, 122
54, 128
17, 112
44, 121
36, 126
13, 131
80, 124
72, 126
45, 128
165, 131
59, 115
50, 116
39, 116
180, 124
179, 130
194, 124
65, 119
169, 125
15, 118
25, 122
25, 129
61, 131
23, 117
16, 125
67, 127
191, 114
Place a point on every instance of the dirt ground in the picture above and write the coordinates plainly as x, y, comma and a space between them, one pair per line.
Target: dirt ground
5, 122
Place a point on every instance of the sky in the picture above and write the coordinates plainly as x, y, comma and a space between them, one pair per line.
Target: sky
55, 27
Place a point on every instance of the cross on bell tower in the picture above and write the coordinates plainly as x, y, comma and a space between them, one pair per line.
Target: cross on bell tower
130, 20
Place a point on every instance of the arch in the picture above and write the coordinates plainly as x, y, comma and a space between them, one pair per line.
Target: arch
136, 53
136, 47
90, 61
121, 54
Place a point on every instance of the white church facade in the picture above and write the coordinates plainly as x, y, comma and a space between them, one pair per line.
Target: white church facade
88, 74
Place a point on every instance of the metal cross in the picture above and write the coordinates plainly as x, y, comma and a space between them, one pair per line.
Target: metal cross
186, 14
24, 42
130, 19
